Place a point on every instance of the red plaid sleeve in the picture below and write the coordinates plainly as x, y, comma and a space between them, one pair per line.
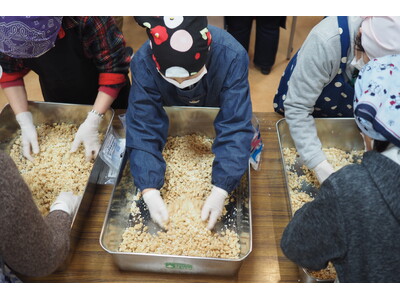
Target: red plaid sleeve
13, 71
103, 42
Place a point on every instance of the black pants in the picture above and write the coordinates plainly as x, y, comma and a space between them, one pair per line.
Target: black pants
267, 36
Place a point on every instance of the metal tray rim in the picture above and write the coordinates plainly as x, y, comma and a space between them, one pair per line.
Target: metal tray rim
109, 126
169, 255
287, 189
72, 104
87, 196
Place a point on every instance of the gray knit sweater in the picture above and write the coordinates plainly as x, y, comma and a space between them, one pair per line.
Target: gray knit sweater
353, 222
29, 244
318, 62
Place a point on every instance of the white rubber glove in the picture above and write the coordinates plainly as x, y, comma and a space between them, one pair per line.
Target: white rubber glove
88, 135
157, 208
213, 206
323, 171
67, 202
29, 134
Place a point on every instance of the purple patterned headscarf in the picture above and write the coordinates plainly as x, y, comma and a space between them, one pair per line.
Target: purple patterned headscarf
27, 37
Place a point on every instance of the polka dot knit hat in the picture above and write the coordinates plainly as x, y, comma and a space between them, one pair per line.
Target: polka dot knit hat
377, 99
180, 45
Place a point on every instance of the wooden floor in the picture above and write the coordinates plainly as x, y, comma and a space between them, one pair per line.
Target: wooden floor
262, 87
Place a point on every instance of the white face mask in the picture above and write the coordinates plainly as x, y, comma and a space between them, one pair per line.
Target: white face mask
1, 71
186, 83
358, 64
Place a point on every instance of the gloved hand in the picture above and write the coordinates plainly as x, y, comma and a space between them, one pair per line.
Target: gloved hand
157, 208
29, 134
88, 135
213, 206
323, 171
67, 202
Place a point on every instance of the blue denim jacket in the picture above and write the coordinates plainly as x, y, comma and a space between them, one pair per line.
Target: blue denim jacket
225, 85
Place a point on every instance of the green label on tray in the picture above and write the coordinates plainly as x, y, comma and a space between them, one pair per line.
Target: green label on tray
178, 266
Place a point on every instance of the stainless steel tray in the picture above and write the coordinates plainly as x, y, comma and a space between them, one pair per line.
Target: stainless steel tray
341, 133
48, 113
183, 120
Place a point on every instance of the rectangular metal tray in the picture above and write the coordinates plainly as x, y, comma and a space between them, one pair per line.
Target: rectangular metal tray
183, 120
48, 113
341, 133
